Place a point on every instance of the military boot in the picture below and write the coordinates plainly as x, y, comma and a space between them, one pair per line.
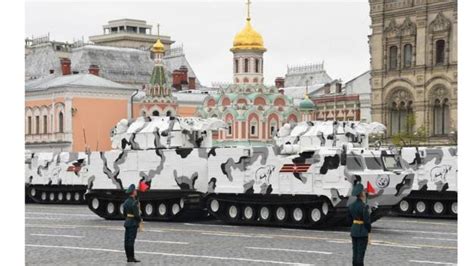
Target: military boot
132, 254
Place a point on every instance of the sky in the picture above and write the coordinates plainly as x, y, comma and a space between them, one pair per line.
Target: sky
294, 32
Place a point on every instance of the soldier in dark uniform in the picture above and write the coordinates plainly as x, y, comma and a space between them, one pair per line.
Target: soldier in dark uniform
360, 229
132, 221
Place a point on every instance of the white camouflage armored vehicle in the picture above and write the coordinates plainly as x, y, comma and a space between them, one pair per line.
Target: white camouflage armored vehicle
434, 192
305, 179
59, 177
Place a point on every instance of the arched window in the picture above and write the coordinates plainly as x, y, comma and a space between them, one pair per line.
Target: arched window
400, 116
37, 124
440, 117
246, 65
393, 58
236, 70
29, 126
61, 122
156, 113
253, 130
440, 46
45, 124
257, 65
168, 113
229, 129
407, 55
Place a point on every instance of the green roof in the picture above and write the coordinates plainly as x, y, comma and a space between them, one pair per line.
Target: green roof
158, 75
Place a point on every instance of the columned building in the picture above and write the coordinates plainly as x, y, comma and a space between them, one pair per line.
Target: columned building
413, 49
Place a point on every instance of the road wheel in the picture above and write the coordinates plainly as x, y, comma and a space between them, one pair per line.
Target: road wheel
280, 214
325, 208
420, 207
454, 207
33, 192
438, 208
43, 196
249, 213
315, 214
162, 209
175, 209
60, 196
298, 215
68, 196
95, 203
51, 196
149, 210
214, 205
264, 214
404, 206
233, 212
77, 196
110, 208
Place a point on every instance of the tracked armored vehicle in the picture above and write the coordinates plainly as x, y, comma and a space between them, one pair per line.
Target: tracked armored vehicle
305, 179
434, 192
56, 177
166, 156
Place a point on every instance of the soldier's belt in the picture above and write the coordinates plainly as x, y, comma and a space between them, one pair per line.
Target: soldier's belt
130, 216
358, 222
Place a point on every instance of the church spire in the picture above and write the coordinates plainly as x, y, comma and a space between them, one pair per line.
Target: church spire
248, 9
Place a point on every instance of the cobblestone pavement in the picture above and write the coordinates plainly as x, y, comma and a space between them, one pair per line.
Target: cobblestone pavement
72, 235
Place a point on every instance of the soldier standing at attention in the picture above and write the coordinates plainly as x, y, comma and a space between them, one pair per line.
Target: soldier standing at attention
132, 221
360, 229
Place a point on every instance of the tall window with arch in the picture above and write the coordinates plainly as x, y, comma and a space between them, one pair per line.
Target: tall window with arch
156, 113
29, 126
257, 65
400, 116
441, 117
440, 51
393, 54
236, 65
61, 122
37, 124
246, 65
45, 124
407, 55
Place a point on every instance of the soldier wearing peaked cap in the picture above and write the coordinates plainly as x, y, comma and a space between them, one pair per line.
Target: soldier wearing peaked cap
132, 221
361, 227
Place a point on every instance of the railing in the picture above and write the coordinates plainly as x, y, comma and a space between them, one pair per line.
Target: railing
49, 137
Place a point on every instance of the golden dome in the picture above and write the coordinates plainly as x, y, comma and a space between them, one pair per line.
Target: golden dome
158, 47
248, 39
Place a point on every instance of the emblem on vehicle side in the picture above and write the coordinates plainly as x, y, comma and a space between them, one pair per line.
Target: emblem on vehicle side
382, 181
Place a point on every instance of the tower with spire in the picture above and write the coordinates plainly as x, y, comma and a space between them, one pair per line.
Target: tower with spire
158, 100
248, 52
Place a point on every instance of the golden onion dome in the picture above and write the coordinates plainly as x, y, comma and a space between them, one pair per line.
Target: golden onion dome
248, 39
158, 47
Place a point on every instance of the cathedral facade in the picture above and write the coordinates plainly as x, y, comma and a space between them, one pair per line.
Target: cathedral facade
413, 48
253, 112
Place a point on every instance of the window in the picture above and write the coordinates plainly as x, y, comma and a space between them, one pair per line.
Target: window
229, 129
440, 117
61, 122
45, 124
236, 66
407, 55
168, 113
257, 65
391, 163
252, 130
272, 130
399, 118
440, 45
246, 65
156, 113
354, 163
37, 124
29, 125
373, 163
393, 58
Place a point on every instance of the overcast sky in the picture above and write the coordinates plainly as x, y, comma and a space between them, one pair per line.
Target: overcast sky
294, 32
